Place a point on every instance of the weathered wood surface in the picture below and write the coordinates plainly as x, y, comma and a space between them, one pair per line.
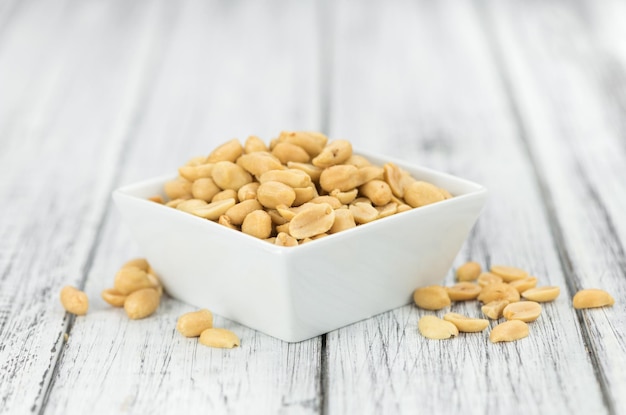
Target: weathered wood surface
526, 98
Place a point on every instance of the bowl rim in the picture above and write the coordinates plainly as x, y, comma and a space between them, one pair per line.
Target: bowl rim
476, 190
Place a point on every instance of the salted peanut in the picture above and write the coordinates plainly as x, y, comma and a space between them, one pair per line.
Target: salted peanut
284, 239
445, 193
195, 172
315, 219
220, 338
156, 199
331, 200
286, 212
248, 191
463, 291
486, 278
333, 154
393, 176
214, 210
403, 208
258, 223
254, 144
342, 177
190, 204
525, 311
542, 294
363, 213
498, 291
174, 203
389, 209
271, 240
259, 162
286, 152
195, 161
468, 271
156, 283
228, 175
344, 197
305, 240
421, 194
304, 194
74, 300
131, 279
591, 298
343, 220
377, 191
314, 172
238, 212
432, 297
368, 173
284, 228
192, 324
524, 284
277, 219
140, 263
312, 142
177, 189
141, 303
494, 309
319, 236
113, 297
290, 177
507, 273
204, 189
435, 328
229, 151
362, 199
225, 195
358, 161
272, 194
466, 324
225, 221
509, 331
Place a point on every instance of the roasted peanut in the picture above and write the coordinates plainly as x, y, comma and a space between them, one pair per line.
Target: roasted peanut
221, 338
343, 220
257, 223
358, 161
178, 189
74, 300
334, 153
204, 189
377, 191
248, 191
508, 274
435, 328
314, 220
363, 212
131, 279
259, 162
421, 194
254, 144
141, 303
331, 200
525, 311
389, 209
498, 291
342, 177
195, 172
432, 297
486, 278
466, 324
286, 152
214, 210
284, 239
393, 175
228, 175
304, 194
229, 151
238, 212
225, 220
225, 195
314, 172
313, 143
113, 297
156, 199
192, 324
468, 271
591, 298
542, 294
463, 291
509, 331
290, 177
524, 284
140, 263
494, 309
272, 194
345, 197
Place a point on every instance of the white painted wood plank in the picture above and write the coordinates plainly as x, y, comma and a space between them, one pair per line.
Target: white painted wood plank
68, 86
229, 71
567, 75
418, 81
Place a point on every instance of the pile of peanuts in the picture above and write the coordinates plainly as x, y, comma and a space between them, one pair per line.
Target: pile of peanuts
137, 289
504, 291
299, 188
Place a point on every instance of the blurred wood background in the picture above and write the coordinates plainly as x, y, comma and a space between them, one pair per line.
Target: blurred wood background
525, 97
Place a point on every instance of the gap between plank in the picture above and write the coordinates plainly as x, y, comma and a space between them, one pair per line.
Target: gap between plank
152, 67
565, 261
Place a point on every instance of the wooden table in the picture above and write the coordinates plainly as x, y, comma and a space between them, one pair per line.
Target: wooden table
525, 97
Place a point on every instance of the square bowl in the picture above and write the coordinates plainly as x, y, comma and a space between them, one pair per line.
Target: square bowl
295, 293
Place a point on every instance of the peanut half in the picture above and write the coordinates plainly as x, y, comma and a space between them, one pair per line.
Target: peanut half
494, 309
142, 303
194, 323
509, 331
433, 297
542, 294
466, 324
525, 311
435, 328
74, 300
468, 271
498, 291
464, 291
221, 338
592, 298
507, 273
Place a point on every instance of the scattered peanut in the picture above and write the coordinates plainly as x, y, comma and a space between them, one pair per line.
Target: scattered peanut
498, 291
487, 278
131, 279
194, 323
508, 274
591, 298
74, 300
466, 324
494, 309
435, 328
468, 271
464, 291
433, 297
113, 297
222, 338
509, 331
525, 311
141, 303
542, 294
524, 284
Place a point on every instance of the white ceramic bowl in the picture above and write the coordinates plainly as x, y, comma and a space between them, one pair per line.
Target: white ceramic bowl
295, 293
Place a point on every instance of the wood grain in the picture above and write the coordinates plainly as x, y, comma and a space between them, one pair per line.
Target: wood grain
227, 81
432, 96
